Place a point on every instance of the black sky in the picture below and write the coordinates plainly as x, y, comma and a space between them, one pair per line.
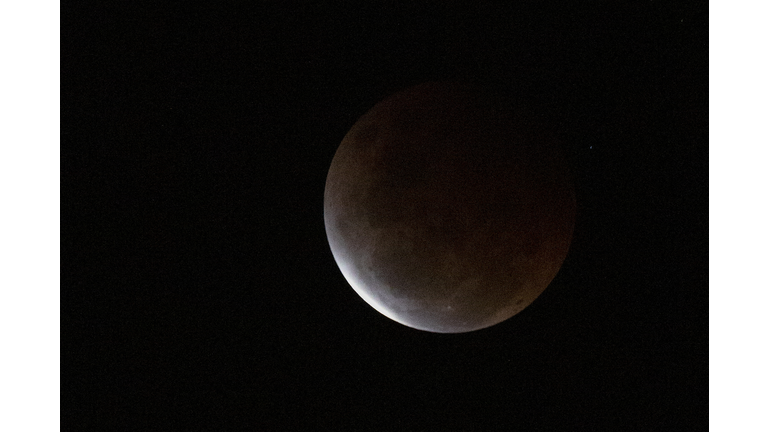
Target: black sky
196, 141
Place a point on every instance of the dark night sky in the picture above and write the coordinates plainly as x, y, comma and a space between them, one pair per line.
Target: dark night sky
219, 305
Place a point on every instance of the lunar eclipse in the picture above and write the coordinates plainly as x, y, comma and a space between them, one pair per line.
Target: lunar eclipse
448, 210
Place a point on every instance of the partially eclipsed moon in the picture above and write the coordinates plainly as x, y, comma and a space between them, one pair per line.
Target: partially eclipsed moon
446, 211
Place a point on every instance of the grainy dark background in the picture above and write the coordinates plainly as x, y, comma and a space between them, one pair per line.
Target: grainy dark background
196, 140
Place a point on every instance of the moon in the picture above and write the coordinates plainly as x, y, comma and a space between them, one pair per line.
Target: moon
447, 210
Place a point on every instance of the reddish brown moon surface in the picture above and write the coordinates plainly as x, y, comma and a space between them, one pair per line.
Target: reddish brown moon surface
446, 211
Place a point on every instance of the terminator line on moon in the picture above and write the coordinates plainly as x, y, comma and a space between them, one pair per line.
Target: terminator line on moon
446, 211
